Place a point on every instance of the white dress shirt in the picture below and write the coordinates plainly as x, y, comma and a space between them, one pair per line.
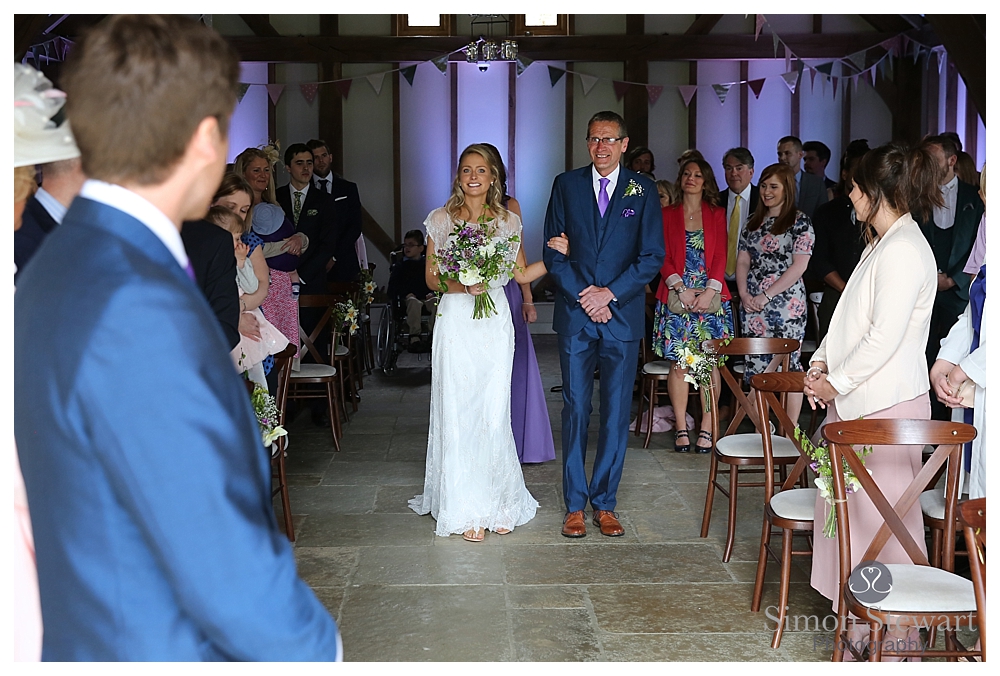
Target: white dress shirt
613, 181
944, 217
304, 190
318, 182
744, 213
53, 206
142, 210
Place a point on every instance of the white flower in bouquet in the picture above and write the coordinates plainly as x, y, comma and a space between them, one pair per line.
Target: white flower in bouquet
272, 435
469, 277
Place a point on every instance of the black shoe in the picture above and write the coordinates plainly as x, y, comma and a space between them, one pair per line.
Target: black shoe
704, 435
682, 448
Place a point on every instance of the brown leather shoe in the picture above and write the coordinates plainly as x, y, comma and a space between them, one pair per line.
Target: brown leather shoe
574, 525
608, 522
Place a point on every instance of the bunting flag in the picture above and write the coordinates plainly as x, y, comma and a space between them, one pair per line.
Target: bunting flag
441, 63
343, 86
587, 82
274, 91
722, 91
653, 92
791, 79
620, 88
555, 74
241, 91
835, 81
825, 68
812, 79
756, 86
941, 61
309, 92
858, 59
788, 58
871, 75
687, 93
408, 73
522, 64
774, 39
376, 80
759, 23
854, 81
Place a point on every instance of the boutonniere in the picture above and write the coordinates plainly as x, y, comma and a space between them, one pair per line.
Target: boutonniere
312, 212
628, 213
633, 189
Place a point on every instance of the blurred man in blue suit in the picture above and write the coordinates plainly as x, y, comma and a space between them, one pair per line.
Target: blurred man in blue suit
614, 223
147, 482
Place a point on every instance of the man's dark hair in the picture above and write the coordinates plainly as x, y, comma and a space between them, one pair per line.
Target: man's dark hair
316, 144
609, 116
791, 139
954, 139
293, 150
740, 154
946, 143
821, 149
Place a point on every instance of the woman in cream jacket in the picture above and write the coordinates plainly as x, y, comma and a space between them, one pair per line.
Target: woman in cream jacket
871, 362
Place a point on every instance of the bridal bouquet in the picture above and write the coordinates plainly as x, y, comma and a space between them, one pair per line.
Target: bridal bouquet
824, 475
476, 254
699, 362
268, 417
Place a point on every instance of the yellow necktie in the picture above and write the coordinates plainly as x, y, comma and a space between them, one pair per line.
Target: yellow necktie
734, 237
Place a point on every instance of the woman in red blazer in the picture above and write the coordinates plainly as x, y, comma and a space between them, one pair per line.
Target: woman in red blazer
694, 235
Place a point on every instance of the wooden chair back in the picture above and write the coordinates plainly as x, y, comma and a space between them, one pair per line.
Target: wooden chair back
972, 516
767, 386
843, 436
282, 362
325, 324
780, 348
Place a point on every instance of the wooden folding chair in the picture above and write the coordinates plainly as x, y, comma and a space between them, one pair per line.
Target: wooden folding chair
921, 595
322, 372
791, 509
283, 363
972, 516
744, 453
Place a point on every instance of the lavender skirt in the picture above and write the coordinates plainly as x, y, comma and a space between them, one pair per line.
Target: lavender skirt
529, 415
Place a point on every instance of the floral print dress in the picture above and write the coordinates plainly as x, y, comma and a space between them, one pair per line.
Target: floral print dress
785, 316
671, 331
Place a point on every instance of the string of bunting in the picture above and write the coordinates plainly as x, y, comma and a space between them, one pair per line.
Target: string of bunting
853, 68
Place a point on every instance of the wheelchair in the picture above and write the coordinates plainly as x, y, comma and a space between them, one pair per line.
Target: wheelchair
393, 335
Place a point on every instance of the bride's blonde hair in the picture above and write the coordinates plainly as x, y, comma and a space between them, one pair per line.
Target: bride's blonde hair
494, 196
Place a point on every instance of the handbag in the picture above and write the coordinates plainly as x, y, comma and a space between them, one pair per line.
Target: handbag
674, 303
967, 392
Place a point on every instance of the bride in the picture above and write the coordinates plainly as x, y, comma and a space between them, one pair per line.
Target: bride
473, 480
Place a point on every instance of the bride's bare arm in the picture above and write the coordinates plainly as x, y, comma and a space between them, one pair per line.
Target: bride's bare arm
524, 273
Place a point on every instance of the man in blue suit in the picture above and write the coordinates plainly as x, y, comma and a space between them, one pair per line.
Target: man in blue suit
148, 486
615, 227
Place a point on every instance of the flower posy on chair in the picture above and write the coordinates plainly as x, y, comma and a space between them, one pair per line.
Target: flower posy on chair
824, 475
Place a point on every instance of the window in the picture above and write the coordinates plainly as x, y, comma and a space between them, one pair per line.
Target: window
423, 24
542, 24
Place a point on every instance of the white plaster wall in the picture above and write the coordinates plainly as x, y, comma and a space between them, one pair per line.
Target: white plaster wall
599, 24
820, 116
668, 117
483, 105
718, 125
601, 97
870, 117
769, 117
295, 119
364, 24
248, 127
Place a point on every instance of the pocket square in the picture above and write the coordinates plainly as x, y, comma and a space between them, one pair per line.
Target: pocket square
628, 213
312, 212
342, 197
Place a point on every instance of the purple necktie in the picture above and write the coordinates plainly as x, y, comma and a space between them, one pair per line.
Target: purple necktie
602, 197
190, 271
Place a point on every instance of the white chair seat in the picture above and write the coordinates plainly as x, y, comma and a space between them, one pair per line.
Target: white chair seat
932, 503
798, 504
341, 350
364, 317
816, 297
656, 368
736, 368
749, 446
925, 589
314, 371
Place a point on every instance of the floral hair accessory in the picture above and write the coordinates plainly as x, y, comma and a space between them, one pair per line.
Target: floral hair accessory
37, 139
272, 150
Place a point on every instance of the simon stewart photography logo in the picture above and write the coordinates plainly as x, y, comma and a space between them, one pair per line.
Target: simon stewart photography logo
870, 582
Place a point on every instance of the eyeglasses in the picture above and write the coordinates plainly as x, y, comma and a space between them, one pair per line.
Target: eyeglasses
607, 140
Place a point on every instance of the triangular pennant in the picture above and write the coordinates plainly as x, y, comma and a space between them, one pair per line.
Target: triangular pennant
309, 91
687, 93
791, 80
376, 80
587, 82
241, 91
620, 88
824, 80
858, 59
835, 82
274, 91
812, 79
916, 52
759, 23
871, 75
854, 81
343, 86
756, 86
408, 73
774, 39
522, 64
942, 59
788, 58
825, 68
441, 63
722, 91
653, 92
555, 74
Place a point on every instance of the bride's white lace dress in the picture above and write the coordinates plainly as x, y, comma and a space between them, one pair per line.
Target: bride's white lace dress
473, 478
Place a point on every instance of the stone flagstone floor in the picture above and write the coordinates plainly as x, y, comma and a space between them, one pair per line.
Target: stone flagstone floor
400, 593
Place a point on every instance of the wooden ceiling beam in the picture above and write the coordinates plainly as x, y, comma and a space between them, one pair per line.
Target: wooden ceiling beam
887, 23
260, 24
378, 49
964, 36
703, 24
28, 31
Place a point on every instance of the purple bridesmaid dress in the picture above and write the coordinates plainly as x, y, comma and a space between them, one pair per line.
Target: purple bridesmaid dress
529, 415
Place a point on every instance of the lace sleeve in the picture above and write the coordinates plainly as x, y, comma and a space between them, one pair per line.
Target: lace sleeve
438, 225
511, 226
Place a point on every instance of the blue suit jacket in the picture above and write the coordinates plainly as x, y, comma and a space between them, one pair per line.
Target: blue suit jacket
148, 487
623, 255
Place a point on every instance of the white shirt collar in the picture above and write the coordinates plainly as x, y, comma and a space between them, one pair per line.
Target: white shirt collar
142, 210
316, 180
745, 195
55, 208
950, 185
612, 180
304, 190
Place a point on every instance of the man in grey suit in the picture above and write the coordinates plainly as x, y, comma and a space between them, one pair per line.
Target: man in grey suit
810, 191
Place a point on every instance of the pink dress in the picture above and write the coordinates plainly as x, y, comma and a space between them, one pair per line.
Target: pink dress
27, 611
249, 354
893, 468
